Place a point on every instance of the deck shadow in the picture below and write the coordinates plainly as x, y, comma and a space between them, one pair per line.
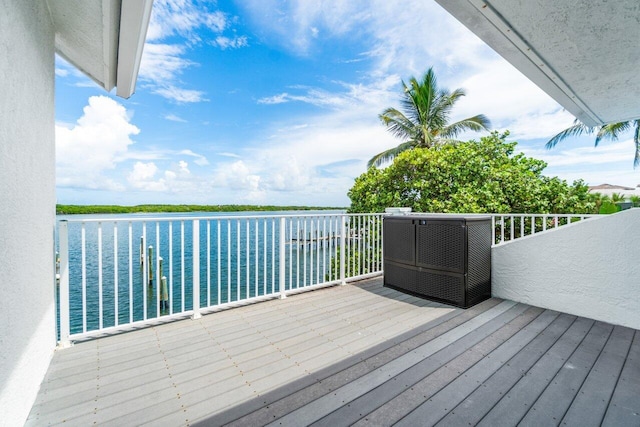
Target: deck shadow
321, 382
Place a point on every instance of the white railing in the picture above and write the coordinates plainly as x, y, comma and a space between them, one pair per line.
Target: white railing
512, 226
120, 272
508, 227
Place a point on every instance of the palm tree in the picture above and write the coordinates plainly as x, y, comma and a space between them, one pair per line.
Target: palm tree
617, 198
424, 121
611, 131
599, 199
635, 200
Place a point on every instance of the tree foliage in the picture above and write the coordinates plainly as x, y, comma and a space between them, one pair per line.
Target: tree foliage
469, 177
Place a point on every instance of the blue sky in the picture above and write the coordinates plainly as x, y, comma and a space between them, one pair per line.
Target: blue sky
277, 102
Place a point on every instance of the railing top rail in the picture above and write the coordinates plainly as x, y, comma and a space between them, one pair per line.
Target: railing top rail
545, 215
528, 215
205, 217
135, 218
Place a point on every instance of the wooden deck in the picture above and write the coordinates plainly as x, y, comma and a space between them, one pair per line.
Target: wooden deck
357, 354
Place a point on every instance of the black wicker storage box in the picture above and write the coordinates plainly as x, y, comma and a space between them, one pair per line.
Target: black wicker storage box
439, 257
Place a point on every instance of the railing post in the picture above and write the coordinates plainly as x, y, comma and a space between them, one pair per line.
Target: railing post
533, 225
381, 243
493, 229
282, 258
196, 269
343, 248
512, 234
65, 329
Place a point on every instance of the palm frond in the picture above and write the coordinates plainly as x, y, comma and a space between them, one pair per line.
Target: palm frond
476, 123
429, 86
390, 154
456, 95
636, 141
440, 109
398, 124
409, 102
577, 129
611, 131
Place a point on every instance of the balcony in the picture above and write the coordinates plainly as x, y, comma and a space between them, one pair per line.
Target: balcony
354, 354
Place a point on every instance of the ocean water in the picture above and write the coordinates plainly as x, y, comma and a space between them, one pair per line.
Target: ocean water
238, 259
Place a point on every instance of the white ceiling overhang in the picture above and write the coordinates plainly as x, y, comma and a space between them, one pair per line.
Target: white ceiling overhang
103, 38
584, 53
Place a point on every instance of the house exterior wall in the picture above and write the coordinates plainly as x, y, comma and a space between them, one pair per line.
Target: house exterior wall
27, 204
590, 269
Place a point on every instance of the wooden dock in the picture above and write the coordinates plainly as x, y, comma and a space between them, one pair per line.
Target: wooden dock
316, 238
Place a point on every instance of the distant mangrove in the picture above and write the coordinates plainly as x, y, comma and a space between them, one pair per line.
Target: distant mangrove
116, 209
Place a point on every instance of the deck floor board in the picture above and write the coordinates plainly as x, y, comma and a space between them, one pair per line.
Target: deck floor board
358, 354
593, 398
624, 408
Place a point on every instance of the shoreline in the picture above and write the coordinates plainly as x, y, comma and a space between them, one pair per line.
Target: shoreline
62, 209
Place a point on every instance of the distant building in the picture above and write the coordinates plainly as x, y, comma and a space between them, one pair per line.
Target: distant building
609, 189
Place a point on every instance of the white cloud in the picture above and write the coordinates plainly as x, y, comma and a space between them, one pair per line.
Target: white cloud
237, 177
534, 125
93, 145
577, 158
180, 96
148, 177
313, 96
275, 99
142, 177
174, 118
415, 34
407, 48
143, 171
187, 23
312, 163
200, 160
183, 17
183, 167
605, 153
231, 43
163, 154
160, 68
290, 176
296, 24
368, 98
610, 175
162, 62
95, 152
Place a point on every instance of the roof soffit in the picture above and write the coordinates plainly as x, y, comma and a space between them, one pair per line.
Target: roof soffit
86, 34
103, 38
583, 53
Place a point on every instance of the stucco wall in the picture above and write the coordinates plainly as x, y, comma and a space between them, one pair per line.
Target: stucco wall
591, 269
27, 204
